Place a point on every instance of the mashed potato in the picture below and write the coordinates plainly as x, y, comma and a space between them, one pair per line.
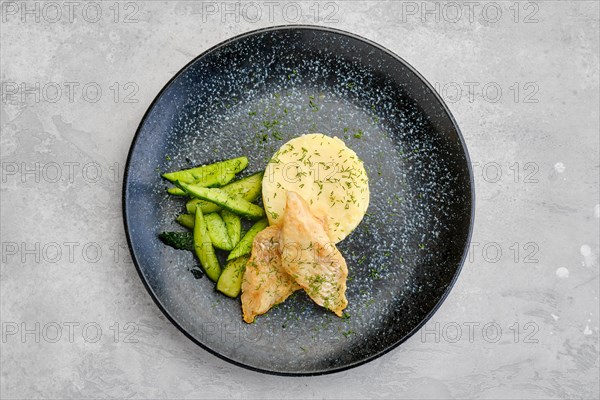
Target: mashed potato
327, 174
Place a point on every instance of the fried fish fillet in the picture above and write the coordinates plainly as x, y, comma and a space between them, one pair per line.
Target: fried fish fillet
310, 257
265, 283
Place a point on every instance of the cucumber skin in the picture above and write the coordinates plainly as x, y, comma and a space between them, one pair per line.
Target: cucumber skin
233, 224
218, 196
245, 245
216, 174
178, 240
248, 188
217, 231
230, 281
204, 248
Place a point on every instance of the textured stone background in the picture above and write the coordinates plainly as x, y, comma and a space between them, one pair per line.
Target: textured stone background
522, 81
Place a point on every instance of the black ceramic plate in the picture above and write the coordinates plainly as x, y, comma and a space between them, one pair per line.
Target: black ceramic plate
248, 96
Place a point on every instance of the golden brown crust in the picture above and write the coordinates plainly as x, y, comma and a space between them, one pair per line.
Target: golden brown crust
298, 254
265, 283
311, 258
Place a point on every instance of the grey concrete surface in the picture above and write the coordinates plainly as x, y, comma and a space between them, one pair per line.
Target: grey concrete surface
522, 81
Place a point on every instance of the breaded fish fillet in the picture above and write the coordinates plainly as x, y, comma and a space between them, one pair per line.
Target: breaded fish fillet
310, 257
265, 283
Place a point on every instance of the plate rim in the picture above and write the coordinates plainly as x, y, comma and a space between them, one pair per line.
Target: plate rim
328, 30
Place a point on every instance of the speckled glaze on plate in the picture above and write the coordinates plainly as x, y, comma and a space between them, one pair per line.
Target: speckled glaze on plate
249, 95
